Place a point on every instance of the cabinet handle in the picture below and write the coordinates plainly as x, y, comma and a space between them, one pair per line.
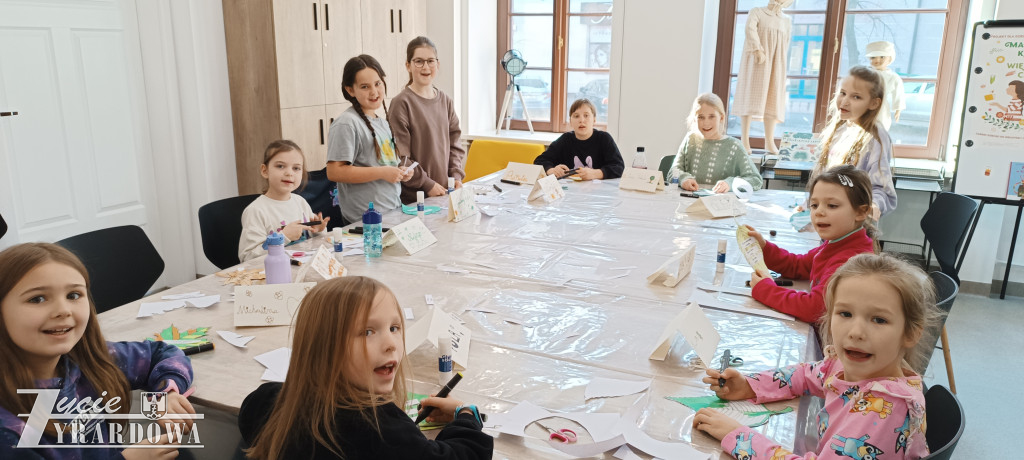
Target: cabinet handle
321, 131
399, 21
315, 20
392, 21
327, 17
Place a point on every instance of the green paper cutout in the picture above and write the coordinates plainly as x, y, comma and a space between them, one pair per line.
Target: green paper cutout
745, 412
182, 338
412, 410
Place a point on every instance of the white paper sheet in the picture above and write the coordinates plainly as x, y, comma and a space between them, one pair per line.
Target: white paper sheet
186, 295
235, 339
601, 387
147, 309
204, 301
276, 362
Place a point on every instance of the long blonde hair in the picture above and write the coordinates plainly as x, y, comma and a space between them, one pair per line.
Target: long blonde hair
90, 353
916, 291
711, 100
865, 124
316, 386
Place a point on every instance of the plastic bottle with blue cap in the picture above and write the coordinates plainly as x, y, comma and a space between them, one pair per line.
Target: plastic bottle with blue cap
276, 265
373, 240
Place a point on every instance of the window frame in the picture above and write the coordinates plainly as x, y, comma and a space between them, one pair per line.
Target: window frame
561, 16
828, 73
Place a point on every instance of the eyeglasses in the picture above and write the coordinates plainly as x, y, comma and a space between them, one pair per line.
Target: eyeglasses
419, 63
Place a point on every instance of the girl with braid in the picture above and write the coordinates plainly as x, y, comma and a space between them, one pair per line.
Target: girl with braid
361, 153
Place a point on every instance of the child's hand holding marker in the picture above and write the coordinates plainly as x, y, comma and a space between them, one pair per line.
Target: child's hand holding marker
735, 387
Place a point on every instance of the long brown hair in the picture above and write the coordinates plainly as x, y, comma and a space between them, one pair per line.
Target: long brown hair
280, 146
415, 44
326, 328
90, 353
348, 80
857, 186
865, 124
916, 291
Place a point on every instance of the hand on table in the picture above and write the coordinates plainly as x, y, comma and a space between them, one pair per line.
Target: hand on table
558, 171
590, 174
721, 187
689, 184
714, 423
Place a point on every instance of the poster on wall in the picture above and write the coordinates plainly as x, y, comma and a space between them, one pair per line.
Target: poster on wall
993, 124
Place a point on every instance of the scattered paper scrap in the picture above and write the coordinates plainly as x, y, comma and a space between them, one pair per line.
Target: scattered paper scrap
276, 362
601, 387
235, 339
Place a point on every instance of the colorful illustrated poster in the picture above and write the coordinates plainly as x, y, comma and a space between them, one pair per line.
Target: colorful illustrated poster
799, 147
993, 125
1015, 187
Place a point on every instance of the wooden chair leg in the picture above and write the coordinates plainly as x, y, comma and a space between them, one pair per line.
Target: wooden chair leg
949, 360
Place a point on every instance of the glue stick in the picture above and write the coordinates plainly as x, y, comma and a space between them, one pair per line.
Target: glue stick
444, 360
451, 188
419, 204
721, 256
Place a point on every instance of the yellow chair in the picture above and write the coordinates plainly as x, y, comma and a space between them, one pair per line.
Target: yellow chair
485, 157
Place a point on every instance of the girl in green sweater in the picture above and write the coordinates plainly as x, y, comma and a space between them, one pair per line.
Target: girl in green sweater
707, 155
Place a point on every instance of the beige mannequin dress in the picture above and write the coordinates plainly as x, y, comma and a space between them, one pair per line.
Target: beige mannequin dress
761, 88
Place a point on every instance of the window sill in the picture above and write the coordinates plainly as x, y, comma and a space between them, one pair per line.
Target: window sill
536, 137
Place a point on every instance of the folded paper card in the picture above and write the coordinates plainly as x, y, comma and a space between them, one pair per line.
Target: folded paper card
751, 250
696, 328
718, 205
439, 325
523, 173
412, 235
675, 269
644, 180
461, 204
268, 305
325, 264
547, 188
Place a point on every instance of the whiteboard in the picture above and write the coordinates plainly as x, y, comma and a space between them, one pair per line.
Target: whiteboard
992, 133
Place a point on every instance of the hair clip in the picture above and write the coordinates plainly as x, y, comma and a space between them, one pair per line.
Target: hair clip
844, 180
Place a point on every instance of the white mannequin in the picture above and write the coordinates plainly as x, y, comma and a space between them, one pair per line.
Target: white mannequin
761, 84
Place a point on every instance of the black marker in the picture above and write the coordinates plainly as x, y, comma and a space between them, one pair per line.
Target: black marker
507, 181
312, 223
198, 348
688, 194
726, 357
440, 394
496, 188
567, 173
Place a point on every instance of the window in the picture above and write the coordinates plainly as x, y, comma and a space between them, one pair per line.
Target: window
828, 37
567, 48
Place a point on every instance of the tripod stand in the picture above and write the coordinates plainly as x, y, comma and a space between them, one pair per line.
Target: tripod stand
505, 106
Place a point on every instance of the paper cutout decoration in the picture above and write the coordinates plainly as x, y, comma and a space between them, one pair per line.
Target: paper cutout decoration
325, 264
675, 269
523, 173
719, 205
742, 188
438, 325
751, 250
696, 328
235, 338
276, 362
546, 188
268, 305
601, 387
181, 339
745, 412
412, 235
461, 204
243, 277
644, 180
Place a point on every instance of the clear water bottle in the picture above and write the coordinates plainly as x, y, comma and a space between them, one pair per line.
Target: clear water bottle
373, 244
277, 265
640, 160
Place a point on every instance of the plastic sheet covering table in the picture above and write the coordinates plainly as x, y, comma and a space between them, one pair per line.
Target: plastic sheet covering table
555, 295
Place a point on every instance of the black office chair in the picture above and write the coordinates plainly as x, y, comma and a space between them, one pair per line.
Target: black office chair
666, 166
220, 227
946, 290
122, 263
318, 194
944, 417
3, 226
945, 226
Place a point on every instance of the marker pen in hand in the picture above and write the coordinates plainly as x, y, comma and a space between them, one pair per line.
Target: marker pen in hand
441, 394
726, 358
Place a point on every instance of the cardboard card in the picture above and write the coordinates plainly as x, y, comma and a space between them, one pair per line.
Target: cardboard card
675, 269
523, 173
412, 235
696, 328
269, 304
644, 180
719, 205
325, 264
751, 250
547, 188
439, 325
461, 204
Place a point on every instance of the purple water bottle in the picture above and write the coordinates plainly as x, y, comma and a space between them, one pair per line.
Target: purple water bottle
277, 265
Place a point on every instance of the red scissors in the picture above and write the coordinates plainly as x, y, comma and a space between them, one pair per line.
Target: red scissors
563, 435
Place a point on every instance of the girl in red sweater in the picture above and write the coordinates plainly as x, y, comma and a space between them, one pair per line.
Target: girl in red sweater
840, 204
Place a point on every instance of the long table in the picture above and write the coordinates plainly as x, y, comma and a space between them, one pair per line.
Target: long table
568, 307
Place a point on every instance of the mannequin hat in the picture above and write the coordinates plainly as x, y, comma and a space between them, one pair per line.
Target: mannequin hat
882, 48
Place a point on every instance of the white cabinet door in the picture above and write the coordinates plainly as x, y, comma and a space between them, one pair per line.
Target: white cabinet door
342, 37
76, 158
308, 128
300, 62
380, 40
